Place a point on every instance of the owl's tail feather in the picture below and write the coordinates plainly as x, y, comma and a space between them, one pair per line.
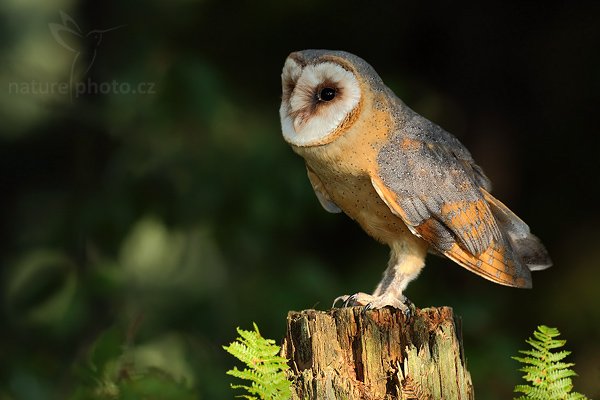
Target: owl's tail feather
528, 247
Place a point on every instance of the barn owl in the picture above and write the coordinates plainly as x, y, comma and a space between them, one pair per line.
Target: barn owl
407, 182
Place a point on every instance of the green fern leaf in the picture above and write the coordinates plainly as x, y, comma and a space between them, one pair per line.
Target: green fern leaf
265, 369
549, 377
555, 357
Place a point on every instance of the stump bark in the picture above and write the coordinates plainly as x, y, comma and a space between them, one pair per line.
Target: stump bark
347, 353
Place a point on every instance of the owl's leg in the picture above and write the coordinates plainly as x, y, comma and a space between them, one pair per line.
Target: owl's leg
406, 261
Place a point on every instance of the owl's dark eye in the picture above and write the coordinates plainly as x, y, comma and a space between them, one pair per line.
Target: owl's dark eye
326, 94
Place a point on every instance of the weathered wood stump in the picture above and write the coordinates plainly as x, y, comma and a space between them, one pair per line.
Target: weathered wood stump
346, 353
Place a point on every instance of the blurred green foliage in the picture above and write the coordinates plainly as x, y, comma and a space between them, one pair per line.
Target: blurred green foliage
139, 229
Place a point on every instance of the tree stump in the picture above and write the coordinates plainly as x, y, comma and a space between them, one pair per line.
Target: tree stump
348, 353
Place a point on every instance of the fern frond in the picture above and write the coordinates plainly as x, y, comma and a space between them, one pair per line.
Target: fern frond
265, 369
549, 377
555, 357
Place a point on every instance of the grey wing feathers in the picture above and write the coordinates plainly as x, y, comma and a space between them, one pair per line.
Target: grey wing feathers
427, 130
529, 248
435, 178
431, 181
526, 245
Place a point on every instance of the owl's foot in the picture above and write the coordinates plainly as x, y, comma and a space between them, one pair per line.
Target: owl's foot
370, 302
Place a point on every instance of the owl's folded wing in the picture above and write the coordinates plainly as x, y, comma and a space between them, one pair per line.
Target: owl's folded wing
439, 198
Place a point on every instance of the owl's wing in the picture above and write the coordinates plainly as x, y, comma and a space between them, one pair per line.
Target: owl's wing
438, 194
321, 193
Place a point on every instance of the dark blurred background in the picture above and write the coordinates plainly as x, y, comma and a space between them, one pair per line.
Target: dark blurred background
144, 218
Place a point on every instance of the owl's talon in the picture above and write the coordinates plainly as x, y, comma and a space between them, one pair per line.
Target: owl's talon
370, 302
344, 299
356, 299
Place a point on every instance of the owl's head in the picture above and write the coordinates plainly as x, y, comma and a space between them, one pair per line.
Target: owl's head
322, 95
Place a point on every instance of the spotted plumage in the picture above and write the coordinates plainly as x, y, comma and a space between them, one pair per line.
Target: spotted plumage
406, 181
